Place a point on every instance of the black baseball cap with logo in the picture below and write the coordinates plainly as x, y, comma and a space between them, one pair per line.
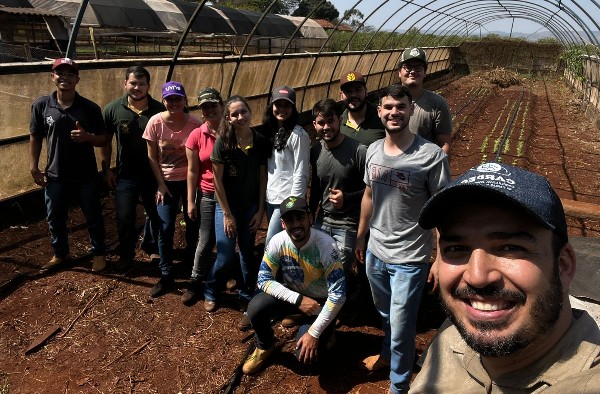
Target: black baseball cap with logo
527, 190
293, 204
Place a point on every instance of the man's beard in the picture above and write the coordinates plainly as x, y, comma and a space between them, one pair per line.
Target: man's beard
545, 311
138, 99
356, 109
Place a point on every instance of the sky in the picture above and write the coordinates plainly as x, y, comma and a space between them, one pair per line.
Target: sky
521, 25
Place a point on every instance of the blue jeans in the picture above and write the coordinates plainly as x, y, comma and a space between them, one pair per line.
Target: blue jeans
274, 218
226, 255
265, 308
206, 236
345, 240
127, 195
397, 290
87, 194
167, 213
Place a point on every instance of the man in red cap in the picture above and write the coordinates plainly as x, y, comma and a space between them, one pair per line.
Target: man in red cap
360, 120
72, 126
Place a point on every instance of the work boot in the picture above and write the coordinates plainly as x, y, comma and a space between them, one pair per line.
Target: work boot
54, 262
244, 324
291, 320
98, 263
162, 286
191, 293
375, 363
256, 360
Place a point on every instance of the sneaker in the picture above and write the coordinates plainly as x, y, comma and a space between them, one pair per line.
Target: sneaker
291, 320
256, 360
55, 261
191, 293
98, 263
210, 306
244, 324
375, 363
162, 286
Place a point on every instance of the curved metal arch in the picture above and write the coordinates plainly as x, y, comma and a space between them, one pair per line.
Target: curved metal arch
320, 52
475, 8
280, 59
182, 39
486, 17
349, 40
245, 47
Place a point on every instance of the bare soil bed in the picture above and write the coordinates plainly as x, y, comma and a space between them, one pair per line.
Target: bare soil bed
114, 338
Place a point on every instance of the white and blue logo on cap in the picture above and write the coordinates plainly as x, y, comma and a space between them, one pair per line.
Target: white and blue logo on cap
491, 174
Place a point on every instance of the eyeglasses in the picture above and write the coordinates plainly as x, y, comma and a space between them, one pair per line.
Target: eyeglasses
64, 74
413, 67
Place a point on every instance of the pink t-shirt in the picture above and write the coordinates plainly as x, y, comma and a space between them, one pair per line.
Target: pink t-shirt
203, 141
171, 146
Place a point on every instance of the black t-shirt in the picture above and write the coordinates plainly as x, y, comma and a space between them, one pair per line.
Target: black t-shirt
240, 172
68, 161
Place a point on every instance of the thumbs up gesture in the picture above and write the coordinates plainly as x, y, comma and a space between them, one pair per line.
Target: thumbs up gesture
79, 134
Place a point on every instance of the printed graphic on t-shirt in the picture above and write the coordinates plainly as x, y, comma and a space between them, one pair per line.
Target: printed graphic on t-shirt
172, 153
389, 176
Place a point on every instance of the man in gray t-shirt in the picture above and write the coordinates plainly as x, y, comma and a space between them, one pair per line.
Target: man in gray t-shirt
336, 188
431, 118
401, 172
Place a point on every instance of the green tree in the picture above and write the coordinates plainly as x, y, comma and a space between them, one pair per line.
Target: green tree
281, 7
325, 11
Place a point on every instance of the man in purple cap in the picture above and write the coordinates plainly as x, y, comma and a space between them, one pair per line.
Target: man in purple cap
360, 120
504, 266
72, 126
431, 118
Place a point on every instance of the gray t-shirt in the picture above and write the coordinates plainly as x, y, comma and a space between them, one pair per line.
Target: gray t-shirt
339, 168
401, 185
431, 117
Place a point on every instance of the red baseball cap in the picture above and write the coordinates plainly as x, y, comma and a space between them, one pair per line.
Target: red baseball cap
65, 61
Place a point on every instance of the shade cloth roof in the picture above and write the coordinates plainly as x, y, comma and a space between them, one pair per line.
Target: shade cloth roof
163, 15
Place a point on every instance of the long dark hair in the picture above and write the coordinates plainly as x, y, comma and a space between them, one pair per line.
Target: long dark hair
276, 136
227, 131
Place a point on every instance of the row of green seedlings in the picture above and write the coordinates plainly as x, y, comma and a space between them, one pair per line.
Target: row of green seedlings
483, 94
521, 141
486, 139
498, 140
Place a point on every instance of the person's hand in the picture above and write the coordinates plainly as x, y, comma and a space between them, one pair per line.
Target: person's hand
79, 134
229, 225
192, 210
309, 347
309, 307
162, 193
336, 197
39, 177
359, 249
255, 221
110, 179
433, 275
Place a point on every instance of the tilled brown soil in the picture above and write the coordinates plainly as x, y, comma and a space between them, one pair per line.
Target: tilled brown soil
113, 338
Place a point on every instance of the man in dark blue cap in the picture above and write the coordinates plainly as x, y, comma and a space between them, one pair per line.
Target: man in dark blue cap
504, 267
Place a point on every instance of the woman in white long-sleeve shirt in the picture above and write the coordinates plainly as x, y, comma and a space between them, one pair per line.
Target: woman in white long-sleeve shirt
288, 166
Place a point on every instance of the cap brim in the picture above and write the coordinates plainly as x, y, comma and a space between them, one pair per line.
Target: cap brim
438, 206
282, 98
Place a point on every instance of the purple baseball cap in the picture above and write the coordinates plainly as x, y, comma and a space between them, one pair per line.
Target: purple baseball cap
173, 88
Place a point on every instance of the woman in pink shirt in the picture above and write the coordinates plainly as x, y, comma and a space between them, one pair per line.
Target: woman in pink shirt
200, 188
166, 134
